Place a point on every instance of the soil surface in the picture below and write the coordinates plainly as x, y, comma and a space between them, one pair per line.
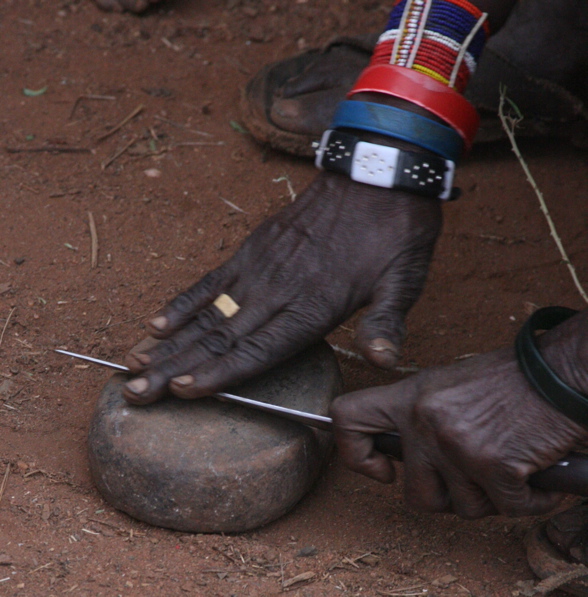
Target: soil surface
172, 193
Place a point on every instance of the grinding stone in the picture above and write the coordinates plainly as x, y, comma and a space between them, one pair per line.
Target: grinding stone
210, 466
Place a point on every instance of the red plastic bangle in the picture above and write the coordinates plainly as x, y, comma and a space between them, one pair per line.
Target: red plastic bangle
424, 91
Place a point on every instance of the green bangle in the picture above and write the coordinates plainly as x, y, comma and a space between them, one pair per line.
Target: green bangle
548, 385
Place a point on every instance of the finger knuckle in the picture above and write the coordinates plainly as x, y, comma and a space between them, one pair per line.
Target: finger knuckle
184, 302
208, 319
431, 412
216, 342
165, 348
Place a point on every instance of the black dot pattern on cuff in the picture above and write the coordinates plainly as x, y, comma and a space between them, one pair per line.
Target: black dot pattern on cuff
548, 385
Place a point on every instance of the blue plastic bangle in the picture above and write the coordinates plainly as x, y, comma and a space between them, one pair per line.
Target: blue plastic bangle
399, 124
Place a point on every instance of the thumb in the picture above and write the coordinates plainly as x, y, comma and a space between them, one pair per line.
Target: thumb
381, 331
356, 417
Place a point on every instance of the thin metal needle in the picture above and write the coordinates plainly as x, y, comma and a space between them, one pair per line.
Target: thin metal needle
93, 360
311, 419
569, 475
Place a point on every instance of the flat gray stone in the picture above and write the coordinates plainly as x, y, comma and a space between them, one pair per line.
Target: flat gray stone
210, 466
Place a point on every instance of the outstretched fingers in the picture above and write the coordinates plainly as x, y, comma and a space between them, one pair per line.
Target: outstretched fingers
252, 354
148, 353
229, 347
187, 305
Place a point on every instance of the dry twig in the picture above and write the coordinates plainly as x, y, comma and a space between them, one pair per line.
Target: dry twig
509, 124
89, 97
196, 143
6, 324
124, 121
182, 126
94, 237
559, 580
117, 154
64, 194
4, 481
232, 205
49, 148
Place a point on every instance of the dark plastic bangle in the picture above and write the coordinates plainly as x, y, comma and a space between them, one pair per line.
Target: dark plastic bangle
399, 124
424, 91
548, 385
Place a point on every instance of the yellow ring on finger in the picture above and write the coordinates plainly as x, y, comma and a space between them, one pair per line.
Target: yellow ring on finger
226, 305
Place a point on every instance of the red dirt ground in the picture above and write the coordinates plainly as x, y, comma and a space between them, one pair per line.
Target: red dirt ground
185, 64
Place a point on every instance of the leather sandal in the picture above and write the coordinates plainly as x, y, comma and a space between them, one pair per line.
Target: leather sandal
557, 552
283, 107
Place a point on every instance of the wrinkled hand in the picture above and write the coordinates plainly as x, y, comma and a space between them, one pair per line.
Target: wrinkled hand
471, 433
340, 247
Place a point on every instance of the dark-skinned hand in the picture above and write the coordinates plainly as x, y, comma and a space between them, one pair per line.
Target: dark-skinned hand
472, 432
340, 247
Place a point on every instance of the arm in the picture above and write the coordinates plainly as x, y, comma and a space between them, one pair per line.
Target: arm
341, 247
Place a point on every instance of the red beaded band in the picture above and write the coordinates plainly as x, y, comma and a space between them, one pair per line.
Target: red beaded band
424, 91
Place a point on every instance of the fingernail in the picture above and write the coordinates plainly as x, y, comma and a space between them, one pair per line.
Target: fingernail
138, 386
382, 345
144, 359
159, 323
183, 380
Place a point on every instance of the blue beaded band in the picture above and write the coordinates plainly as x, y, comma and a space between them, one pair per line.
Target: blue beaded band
399, 124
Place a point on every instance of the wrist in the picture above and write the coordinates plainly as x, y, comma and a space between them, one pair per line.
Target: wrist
397, 123
387, 167
565, 349
554, 363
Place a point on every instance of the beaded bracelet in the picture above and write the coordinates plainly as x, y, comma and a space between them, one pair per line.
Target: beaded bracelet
439, 41
399, 124
548, 385
442, 38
